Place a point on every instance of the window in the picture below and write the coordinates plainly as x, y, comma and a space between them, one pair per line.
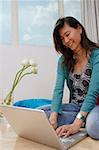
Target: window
72, 8
5, 22
36, 21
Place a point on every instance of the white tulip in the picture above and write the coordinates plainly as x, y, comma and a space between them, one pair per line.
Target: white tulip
25, 62
34, 70
32, 63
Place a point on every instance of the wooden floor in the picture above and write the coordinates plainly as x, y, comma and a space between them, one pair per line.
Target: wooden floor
10, 141
86, 144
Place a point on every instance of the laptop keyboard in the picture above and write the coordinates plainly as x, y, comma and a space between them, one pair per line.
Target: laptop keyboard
67, 142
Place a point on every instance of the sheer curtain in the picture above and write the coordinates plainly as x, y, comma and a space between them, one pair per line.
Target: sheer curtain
90, 18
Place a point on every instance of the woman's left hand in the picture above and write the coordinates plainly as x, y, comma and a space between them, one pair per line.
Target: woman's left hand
66, 130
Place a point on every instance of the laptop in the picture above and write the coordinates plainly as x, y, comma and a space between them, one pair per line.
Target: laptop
33, 124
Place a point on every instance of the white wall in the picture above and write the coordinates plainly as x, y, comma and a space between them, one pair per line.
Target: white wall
39, 85
1, 75
32, 86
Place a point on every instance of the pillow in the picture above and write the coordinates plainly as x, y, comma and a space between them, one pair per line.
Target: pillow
32, 103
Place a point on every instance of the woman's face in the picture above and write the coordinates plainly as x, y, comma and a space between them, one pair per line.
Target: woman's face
71, 37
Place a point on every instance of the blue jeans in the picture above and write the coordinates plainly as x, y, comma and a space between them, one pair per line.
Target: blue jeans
92, 123
69, 112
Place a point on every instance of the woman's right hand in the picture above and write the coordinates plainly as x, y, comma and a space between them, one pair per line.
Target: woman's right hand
53, 119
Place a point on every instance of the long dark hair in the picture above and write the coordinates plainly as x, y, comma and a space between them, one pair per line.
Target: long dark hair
86, 43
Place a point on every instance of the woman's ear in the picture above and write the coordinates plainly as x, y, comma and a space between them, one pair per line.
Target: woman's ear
80, 29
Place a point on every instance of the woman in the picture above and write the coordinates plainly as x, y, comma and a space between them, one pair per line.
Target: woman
79, 66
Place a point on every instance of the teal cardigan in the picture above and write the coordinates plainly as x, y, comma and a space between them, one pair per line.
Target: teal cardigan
93, 90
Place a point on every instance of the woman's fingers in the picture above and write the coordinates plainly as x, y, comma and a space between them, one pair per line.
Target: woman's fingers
67, 133
61, 130
53, 120
54, 125
65, 130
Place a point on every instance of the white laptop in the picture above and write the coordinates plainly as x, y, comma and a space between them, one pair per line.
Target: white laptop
33, 124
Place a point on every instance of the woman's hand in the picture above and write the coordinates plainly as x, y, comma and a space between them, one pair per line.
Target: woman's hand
67, 130
53, 119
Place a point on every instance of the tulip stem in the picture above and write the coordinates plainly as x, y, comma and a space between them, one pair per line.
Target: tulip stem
19, 75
